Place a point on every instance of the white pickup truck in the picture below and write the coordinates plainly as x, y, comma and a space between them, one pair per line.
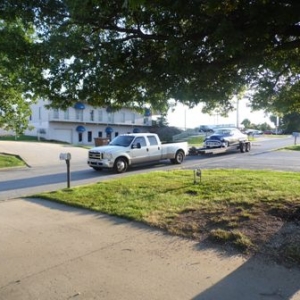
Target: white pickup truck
135, 148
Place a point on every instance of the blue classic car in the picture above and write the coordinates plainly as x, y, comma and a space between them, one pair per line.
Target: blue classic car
225, 137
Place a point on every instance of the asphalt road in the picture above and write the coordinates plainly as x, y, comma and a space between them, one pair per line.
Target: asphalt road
48, 173
263, 155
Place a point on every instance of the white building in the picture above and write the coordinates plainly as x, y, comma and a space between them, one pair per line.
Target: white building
83, 123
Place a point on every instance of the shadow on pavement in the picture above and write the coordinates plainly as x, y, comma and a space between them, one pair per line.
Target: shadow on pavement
258, 278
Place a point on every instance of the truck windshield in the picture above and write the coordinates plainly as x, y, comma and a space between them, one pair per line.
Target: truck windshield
122, 140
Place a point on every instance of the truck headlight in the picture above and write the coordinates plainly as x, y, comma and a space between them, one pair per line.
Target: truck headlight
107, 155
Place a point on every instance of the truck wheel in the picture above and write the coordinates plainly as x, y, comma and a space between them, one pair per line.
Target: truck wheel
97, 168
179, 157
248, 147
242, 147
120, 165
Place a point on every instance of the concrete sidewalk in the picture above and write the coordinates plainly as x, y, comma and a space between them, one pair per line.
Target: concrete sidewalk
51, 251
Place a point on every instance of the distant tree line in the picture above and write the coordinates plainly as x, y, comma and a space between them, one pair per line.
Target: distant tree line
285, 124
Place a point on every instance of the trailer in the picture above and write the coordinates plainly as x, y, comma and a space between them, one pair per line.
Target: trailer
242, 146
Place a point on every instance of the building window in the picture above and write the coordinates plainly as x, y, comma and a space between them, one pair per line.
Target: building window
66, 114
55, 113
123, 117
92, 115
90, 136
133, 118
100, 116
79, 114
109, 117
100, 134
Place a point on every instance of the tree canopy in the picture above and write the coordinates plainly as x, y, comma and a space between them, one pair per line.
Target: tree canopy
139, 52
17, 76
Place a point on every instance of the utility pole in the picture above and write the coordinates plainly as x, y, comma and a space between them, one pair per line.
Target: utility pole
237, 112
185, 119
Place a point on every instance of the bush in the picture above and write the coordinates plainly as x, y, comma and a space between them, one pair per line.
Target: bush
165, 133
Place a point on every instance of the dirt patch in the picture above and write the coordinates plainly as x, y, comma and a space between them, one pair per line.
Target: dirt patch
271, 232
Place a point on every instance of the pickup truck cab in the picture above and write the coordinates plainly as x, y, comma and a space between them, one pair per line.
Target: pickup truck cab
133, 149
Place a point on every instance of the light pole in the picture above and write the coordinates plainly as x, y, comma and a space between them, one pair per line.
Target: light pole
185, 119
237, 112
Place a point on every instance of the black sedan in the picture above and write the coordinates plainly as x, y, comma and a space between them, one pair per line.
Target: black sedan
225, 137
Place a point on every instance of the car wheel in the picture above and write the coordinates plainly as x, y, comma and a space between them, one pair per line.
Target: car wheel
179, 157
120, 165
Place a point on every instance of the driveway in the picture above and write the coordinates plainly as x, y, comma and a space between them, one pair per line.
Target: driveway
51, 251
40, 154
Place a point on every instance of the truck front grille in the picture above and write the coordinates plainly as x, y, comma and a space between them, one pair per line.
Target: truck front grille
95, 155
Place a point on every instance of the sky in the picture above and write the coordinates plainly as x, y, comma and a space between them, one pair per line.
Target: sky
185, 118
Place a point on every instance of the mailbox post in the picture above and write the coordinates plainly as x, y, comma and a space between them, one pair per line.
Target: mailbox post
295, 135
197, 174
67, 158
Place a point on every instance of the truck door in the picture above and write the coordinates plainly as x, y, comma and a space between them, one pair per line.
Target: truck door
154, 148
139, 155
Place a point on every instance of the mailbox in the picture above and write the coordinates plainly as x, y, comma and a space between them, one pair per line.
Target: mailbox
295, 135
65, 156
198, 172
197, 175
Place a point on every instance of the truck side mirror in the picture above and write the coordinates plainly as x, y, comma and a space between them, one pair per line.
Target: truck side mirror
136, 146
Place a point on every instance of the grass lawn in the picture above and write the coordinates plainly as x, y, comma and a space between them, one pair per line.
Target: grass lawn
9, 161
293, 148
28, 138
196, 141
245, 210
24, 138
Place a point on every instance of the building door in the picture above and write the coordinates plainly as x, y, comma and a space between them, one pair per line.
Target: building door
80, 137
